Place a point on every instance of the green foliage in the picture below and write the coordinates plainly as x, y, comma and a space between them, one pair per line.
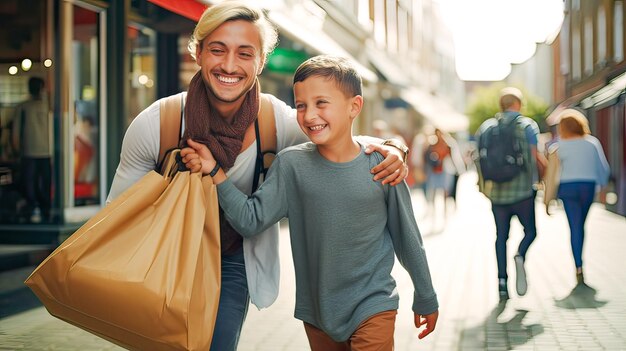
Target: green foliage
485, 105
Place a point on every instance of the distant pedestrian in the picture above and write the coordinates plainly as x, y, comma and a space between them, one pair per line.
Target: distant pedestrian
418, 146
515, 197
32, 136
583, 168
442, 162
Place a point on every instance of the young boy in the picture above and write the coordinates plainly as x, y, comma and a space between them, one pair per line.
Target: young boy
344, 228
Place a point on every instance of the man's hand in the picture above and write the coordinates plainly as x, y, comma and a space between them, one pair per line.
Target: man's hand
430, 320
198, 158
392, 170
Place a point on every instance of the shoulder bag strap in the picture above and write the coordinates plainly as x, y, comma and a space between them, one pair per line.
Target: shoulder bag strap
265, 130
171, 115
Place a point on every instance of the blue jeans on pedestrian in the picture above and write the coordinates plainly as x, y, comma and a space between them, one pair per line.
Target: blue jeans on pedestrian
233, 306
577, 198
502, 214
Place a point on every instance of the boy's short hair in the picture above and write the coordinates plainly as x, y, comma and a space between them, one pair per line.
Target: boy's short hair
226, 11
339, 69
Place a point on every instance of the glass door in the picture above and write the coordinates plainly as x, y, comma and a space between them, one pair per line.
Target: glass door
84, 64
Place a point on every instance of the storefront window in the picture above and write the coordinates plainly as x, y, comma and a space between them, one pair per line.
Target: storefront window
143, 73
85, 95
26, 121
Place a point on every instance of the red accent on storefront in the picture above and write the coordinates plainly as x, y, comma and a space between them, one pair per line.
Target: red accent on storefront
191, 9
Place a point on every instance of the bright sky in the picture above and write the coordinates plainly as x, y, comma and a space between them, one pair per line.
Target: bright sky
490, 35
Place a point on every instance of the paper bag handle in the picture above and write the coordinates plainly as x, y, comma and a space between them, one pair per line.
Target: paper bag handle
172, 164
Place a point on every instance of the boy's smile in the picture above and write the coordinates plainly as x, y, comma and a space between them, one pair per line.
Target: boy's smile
317, 127
325, 114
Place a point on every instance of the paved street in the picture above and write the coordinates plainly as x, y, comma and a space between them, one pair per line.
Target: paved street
553, 315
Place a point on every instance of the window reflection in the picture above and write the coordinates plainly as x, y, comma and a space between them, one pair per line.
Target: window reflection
142, 70
26, 139
85, 93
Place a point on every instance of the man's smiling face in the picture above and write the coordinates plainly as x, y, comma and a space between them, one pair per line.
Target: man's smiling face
230, 59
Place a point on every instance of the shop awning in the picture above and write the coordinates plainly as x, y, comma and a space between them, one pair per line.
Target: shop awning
606, 94
595, 97
191, 9
317, 40
388, 68
437, 111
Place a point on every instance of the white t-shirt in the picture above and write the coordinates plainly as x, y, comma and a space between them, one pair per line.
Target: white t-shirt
140, 152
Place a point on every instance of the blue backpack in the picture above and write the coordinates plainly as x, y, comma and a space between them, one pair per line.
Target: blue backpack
500, 151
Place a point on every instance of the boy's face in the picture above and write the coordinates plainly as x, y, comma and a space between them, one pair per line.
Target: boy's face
325, 113
230, 60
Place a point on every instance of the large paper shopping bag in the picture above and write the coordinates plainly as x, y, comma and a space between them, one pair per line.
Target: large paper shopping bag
144, 272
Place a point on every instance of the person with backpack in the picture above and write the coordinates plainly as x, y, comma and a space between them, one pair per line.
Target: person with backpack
230, 45
509, 168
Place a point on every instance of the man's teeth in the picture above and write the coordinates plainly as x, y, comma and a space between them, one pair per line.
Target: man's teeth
227, 79
318, 127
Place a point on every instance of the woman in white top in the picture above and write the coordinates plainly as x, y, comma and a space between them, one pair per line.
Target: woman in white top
583, 169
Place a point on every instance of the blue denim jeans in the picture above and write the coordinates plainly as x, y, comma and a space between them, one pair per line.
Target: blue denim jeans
577, 198
233, 306
502, 214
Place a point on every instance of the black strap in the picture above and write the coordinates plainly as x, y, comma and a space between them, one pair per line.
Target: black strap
258, 164
180, 125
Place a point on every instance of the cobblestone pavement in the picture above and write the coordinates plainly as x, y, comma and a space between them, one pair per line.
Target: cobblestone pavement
554, 314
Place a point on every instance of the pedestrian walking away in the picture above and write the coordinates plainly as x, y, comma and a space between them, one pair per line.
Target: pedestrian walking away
514, 197
578, 167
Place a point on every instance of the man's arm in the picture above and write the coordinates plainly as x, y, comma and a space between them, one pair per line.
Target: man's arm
393, 169
542, 161
139, 154
532, 135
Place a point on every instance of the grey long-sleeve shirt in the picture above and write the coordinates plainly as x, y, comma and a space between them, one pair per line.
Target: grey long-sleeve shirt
344, 230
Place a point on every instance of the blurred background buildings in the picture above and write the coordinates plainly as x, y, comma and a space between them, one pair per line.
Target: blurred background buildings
106, 60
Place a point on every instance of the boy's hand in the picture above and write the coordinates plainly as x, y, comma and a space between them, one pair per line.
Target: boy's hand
392, 169
198, 158
430, 320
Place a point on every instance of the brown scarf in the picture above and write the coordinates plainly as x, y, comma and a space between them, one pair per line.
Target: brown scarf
204, 125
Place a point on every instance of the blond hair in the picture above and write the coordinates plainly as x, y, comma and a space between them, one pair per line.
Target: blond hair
225, 11
573, 122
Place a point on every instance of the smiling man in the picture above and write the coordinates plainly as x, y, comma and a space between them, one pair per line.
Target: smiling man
230, 44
